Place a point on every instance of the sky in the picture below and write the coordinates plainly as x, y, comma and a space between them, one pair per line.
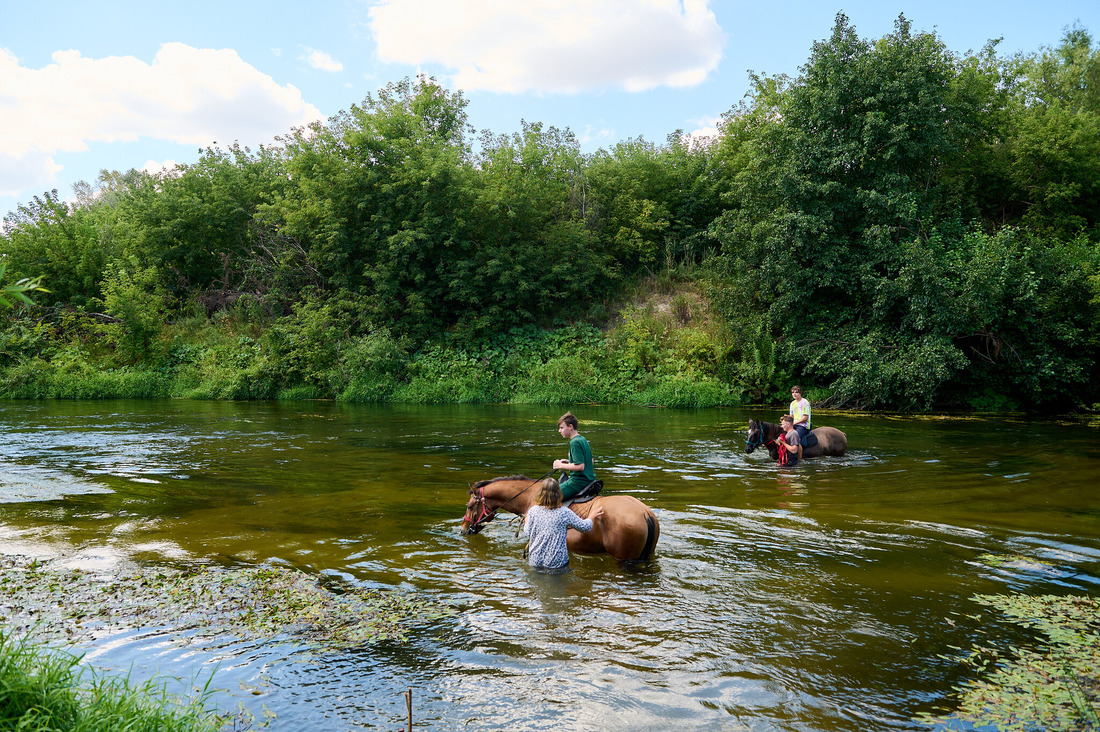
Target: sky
115, 85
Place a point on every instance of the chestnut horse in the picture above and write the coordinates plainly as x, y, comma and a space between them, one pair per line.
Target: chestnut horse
830, 440
628, 531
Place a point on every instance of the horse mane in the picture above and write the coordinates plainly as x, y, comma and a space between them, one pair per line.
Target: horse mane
481, 483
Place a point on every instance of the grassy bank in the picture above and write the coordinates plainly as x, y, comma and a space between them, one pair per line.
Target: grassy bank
664, 347
44, 689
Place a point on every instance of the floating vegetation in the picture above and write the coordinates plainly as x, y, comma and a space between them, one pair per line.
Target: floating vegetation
1056, 687
201, 604
1015, 561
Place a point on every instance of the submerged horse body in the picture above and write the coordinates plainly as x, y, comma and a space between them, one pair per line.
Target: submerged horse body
629, 529
830, 440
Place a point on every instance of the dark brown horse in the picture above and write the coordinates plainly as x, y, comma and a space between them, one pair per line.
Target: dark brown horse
629, 529
830, 440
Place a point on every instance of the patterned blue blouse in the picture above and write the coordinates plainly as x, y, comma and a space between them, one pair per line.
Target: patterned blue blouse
546, 529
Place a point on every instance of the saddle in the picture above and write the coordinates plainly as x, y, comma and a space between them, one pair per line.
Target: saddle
809, 440
586, 494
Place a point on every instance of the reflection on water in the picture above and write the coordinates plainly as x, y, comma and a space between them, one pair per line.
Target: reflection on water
814, 598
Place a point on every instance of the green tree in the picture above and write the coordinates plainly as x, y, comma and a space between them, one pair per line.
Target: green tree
18, 290
652, 204
534, 255
195, 224
846, 175
49, 239
379, 201
1052, 150
134, 297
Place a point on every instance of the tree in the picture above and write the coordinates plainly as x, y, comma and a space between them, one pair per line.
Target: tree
848, 175
58, 243
195, 224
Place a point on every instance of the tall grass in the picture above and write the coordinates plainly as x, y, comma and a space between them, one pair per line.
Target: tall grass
43, 689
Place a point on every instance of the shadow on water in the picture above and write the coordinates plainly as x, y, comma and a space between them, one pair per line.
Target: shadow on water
821, 597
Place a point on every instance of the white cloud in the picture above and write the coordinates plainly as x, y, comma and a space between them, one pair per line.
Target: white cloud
34, 170
152, 167
321, 60
186, 95
593, 136
706, 132
553, 45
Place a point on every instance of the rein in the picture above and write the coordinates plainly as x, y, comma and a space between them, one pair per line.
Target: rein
487, 515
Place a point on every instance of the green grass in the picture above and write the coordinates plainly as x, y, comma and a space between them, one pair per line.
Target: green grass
45, 689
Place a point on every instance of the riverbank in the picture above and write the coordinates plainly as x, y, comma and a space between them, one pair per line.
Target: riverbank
665, 347
46, 689
60, 601
48, 607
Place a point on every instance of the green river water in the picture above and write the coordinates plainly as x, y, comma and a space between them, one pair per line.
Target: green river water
821, 597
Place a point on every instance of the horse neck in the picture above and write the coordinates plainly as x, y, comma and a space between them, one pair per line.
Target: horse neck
770, 431
501, 491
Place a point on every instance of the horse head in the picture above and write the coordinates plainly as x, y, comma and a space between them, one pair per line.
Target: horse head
477, 512
489, 496
754, 438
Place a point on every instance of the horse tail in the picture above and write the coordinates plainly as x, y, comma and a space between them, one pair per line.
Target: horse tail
651, 536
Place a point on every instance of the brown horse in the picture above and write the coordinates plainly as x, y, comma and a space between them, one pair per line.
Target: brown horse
629, 529
830, 440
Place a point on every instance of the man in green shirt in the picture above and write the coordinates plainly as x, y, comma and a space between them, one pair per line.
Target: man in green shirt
579, 462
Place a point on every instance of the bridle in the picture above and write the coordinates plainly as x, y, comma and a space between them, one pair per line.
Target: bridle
751, 445
486, 514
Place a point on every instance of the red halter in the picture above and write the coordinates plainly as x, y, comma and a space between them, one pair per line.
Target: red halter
485, 516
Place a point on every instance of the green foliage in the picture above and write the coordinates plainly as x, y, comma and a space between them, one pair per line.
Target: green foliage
686, 392
1054, 687
18, 290
373, 366
652, 204
132, 295
898, 226
47, 240
44, 690
195, 224
843, 232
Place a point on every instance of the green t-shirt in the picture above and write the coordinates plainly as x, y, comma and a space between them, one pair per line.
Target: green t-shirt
580, 453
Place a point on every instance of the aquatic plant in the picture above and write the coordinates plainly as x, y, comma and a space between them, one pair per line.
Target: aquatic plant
199, 605
1053, 687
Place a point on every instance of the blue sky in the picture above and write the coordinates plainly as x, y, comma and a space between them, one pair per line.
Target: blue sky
87, 86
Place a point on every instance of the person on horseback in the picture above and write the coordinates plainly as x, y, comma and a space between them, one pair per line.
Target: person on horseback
800, 412
789, 445
579, 463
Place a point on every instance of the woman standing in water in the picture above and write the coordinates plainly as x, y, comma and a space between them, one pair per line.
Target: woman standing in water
546, 525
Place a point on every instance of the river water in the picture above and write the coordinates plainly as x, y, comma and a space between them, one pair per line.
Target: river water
830, 596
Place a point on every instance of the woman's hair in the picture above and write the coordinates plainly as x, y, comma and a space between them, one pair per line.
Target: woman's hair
549, 494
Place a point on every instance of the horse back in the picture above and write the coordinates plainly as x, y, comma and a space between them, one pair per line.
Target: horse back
830, 441
628, 531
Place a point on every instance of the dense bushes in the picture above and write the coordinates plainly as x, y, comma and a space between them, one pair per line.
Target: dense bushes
898, 226
867, 229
